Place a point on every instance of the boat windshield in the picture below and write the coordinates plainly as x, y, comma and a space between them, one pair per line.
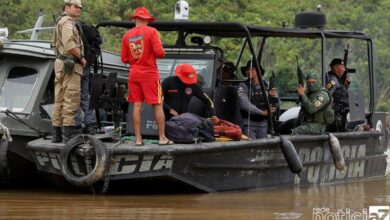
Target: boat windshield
204, 68
17, 88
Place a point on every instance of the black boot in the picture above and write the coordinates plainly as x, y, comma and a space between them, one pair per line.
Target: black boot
68, 133
77, 130
57, 135
89, 129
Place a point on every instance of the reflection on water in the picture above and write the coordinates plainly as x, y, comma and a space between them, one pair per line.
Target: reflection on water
285, 203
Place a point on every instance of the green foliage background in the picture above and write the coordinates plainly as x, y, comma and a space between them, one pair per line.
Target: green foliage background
369, 16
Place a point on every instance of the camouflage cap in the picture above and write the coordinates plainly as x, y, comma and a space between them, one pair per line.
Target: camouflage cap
74, 2
312, 75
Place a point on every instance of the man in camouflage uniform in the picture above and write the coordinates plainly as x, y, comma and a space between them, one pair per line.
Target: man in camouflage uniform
339, 91
316, 107
68, 68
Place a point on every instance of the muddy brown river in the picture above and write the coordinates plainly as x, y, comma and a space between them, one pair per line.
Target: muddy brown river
346, 201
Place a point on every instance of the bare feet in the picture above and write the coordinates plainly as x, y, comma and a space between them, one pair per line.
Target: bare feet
166, 142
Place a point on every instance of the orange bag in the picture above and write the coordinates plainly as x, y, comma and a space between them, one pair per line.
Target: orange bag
227, 129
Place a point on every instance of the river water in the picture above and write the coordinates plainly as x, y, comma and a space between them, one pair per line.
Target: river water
315, 202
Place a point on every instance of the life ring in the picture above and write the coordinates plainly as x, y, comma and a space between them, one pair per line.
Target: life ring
291, 155
102, 156
336, 152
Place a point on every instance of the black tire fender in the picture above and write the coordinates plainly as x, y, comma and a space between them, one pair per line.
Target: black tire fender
386, 137
336, 152
102, 155
4, 172
291, 155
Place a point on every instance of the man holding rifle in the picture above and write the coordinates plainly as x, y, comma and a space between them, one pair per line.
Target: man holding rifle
316, 107
337, 84
252, 103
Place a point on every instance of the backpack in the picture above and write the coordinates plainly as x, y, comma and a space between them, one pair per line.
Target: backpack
189, 128
91, 40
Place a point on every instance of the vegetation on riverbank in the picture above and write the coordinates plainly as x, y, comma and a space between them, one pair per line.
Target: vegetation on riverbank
368, 16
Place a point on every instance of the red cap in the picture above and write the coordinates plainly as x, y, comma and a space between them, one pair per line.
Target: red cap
142, 13
186, 73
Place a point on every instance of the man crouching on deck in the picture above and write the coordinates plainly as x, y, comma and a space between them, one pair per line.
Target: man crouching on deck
316, 107
140, 47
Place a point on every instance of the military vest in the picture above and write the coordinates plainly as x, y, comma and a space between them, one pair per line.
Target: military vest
340, 92
325, 115
256, 97
340, 99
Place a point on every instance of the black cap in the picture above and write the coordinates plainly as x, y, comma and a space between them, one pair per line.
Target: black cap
336, 61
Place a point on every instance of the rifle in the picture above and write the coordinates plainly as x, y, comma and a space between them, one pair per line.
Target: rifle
274, 102
300, 74
300, 77
272, 81
344, 77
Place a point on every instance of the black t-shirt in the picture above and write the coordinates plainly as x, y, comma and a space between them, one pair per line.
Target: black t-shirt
177, 96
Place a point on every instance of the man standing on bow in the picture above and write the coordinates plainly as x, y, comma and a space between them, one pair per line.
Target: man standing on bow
68, 68
140, 47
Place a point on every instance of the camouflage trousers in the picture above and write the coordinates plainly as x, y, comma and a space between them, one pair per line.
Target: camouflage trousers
67, 96
309, 128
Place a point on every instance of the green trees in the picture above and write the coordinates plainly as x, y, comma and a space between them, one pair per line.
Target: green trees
369, 16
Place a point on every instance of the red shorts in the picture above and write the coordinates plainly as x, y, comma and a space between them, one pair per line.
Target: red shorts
148, 91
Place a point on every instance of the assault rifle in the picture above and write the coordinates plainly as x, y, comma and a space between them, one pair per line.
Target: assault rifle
274, 102
272, 81
300, 78
300, 74
344, 77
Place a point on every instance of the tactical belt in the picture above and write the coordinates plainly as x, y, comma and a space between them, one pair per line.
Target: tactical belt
63, 57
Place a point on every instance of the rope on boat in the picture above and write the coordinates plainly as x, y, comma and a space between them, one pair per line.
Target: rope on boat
6, 133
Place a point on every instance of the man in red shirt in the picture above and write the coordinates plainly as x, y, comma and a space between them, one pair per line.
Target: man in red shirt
140, 47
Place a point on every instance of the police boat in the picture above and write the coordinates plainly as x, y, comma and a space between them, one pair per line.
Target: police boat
110, 157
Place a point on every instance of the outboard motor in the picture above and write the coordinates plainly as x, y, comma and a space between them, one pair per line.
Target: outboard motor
182, 10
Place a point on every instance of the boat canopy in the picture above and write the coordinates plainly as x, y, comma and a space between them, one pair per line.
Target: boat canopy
235, 29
